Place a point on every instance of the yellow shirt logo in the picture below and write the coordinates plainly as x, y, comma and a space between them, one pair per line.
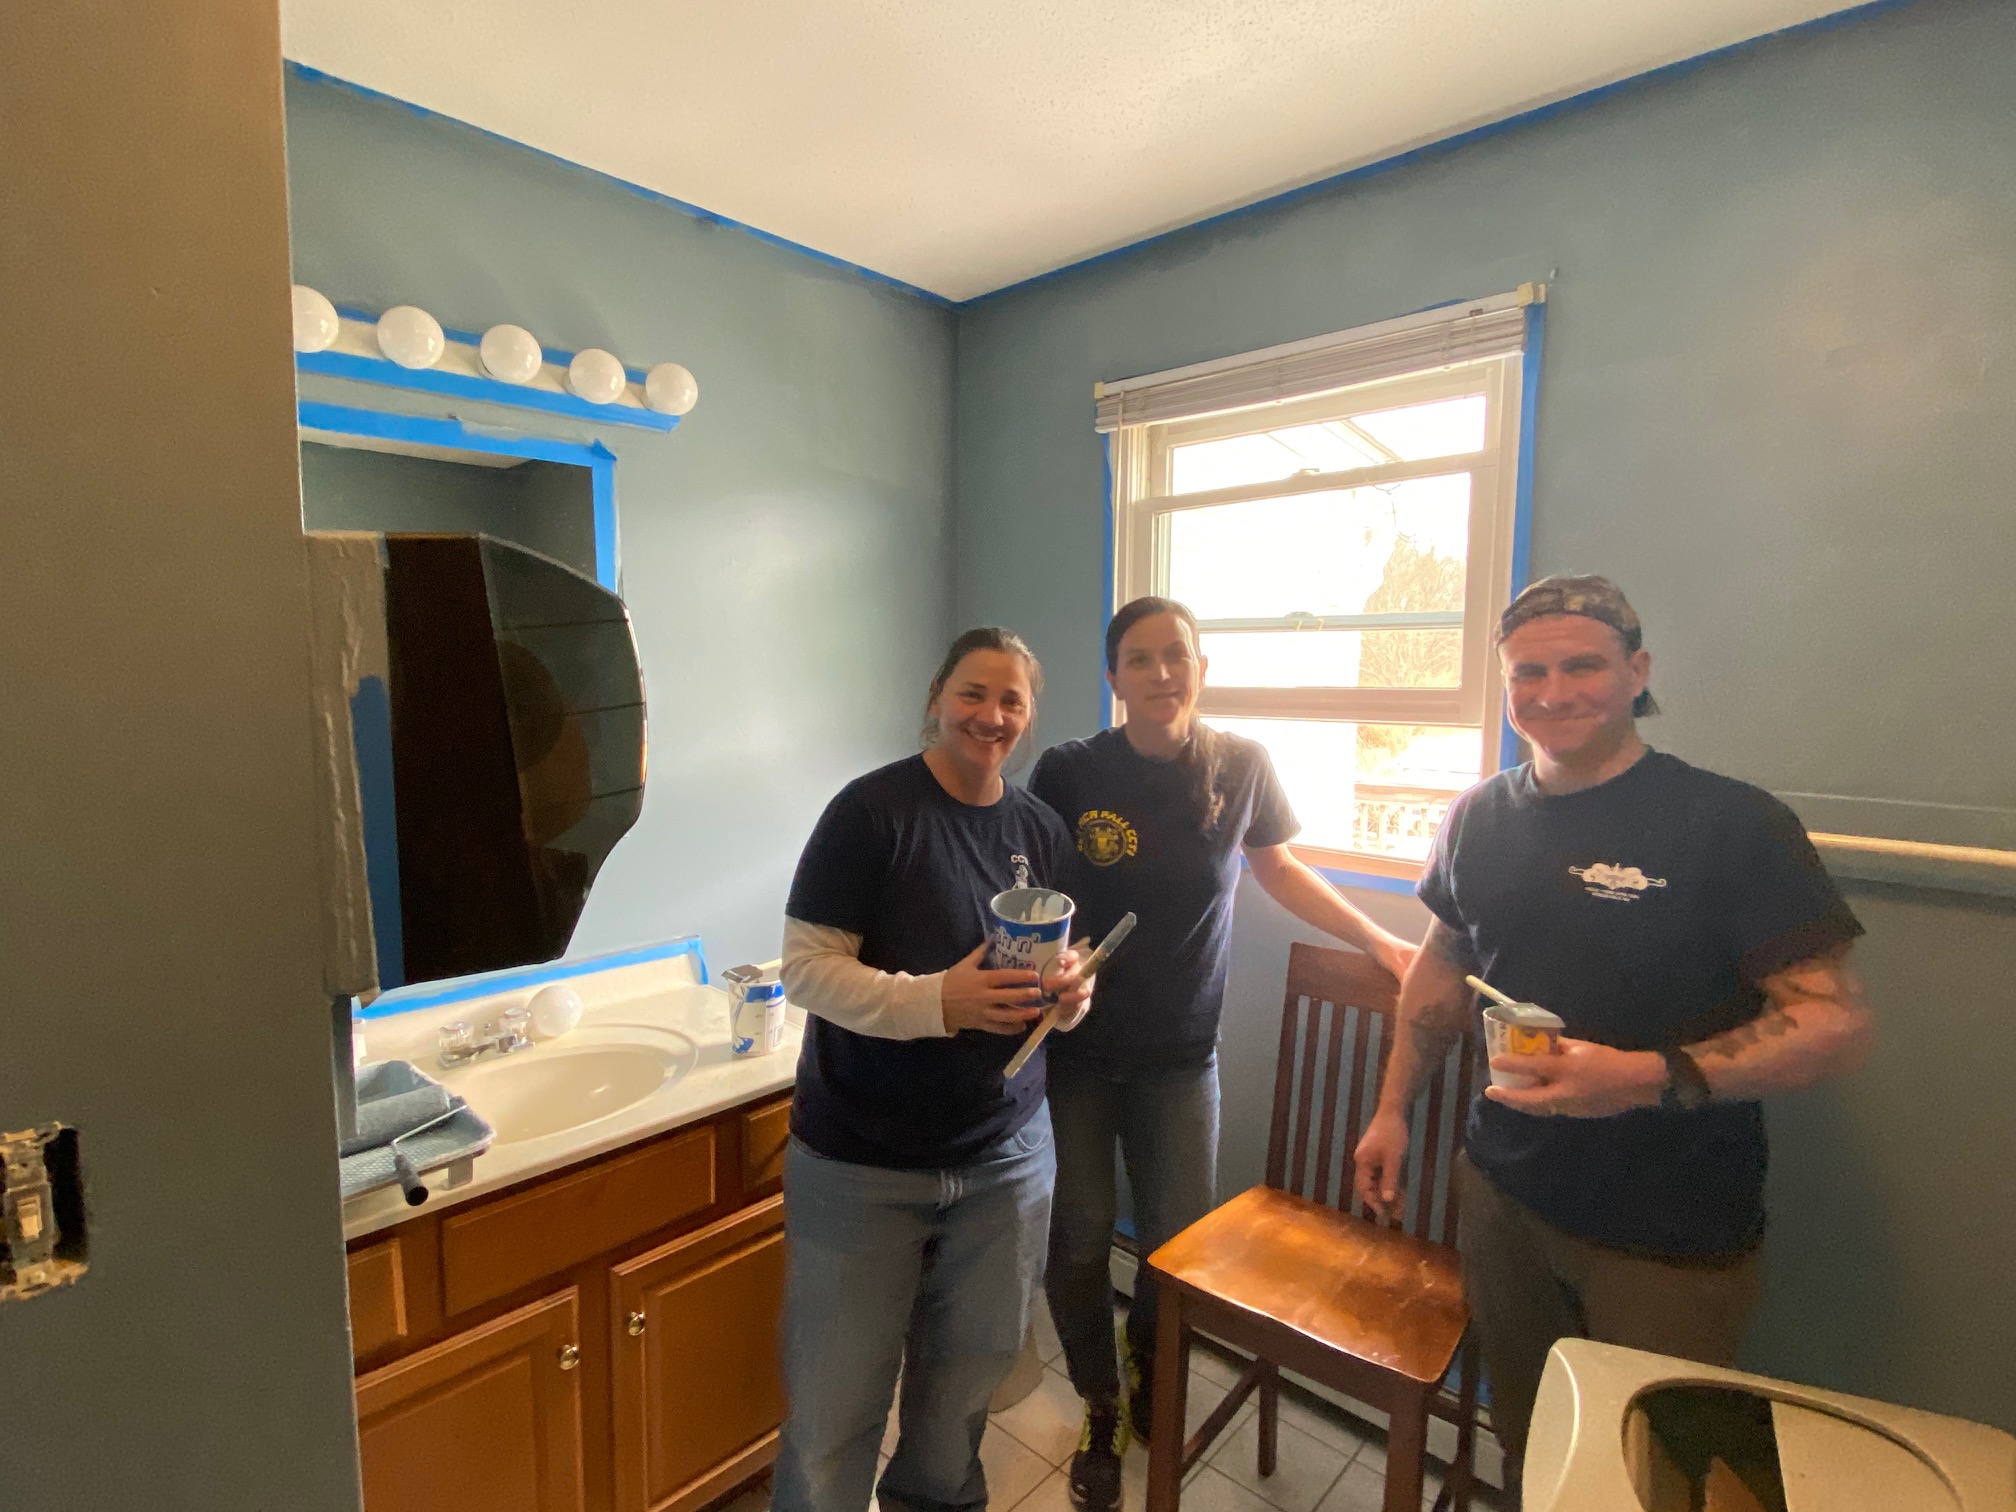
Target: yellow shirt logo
1104, 837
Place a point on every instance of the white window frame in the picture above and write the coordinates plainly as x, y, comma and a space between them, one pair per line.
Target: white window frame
1141, 459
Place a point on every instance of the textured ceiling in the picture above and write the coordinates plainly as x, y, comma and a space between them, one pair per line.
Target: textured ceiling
962, 145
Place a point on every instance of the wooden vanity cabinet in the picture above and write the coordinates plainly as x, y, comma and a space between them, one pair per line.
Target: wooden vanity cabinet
601, 1338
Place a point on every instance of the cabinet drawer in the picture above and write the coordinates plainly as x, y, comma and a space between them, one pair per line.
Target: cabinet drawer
510, 1244
377, 1298
765, 1133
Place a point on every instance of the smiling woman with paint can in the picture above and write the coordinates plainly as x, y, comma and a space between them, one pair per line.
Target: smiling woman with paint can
917, 1183
1163, 808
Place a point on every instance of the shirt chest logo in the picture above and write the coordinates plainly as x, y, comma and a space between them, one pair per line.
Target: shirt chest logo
1619, 884
1104, 837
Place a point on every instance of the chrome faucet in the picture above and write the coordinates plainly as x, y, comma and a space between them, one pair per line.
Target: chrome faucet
505, 1035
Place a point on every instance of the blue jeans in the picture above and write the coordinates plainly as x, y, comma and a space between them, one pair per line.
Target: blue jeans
1165, 1124
934, 1271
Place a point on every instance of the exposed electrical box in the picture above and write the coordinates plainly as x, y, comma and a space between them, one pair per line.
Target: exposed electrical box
42, 1240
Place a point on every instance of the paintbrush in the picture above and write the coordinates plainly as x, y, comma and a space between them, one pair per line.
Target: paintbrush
1093, 962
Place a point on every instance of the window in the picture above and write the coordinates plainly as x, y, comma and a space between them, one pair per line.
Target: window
1339, 515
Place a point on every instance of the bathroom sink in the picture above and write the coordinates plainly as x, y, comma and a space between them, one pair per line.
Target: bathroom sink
557, 1087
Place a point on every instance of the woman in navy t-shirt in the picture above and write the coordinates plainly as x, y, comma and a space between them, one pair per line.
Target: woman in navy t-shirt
1162, 810
917, 1183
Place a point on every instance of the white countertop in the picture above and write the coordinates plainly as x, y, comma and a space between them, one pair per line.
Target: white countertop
647, 1000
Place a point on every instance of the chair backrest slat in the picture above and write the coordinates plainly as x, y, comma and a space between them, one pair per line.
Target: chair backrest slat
1337, 1015
1327, 1125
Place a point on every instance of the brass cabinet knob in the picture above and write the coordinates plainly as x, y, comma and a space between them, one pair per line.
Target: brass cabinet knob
570, 1356
634, 1324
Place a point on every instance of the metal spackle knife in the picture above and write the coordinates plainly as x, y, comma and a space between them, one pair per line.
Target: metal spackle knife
1093, 962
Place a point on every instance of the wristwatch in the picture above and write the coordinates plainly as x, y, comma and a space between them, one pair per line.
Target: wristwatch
1686, 1088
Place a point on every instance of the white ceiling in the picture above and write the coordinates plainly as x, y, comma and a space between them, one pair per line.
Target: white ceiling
962, 145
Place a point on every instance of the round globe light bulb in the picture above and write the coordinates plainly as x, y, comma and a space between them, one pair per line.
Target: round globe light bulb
315, 321
411, 337
670, 389
510, 354
555, 1010
596, 375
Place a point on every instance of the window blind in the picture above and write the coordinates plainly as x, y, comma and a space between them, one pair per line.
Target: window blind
1445, 337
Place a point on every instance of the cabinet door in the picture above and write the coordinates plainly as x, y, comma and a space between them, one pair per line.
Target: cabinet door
698, 1388
488, 1421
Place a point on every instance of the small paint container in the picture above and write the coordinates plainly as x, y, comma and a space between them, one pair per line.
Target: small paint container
1519, 1029
1031, 927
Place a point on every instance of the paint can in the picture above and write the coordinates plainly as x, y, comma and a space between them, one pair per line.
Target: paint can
755, 1011
1032, 925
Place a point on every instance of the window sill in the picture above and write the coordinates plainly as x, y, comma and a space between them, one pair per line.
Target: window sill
1354, 869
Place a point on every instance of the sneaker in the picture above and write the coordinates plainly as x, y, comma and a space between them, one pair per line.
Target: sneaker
1140, 1371
1095, 1468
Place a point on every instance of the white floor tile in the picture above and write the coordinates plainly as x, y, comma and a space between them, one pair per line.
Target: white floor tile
1049, 1420
1359, 1489
1215, 1364
1325, 1423
1204, 1395
1305, 1468
1208, 1491
1012, 1470
1053, 1494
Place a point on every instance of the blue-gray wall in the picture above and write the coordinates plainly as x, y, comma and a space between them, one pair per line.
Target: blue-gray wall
784, 552
1778, 404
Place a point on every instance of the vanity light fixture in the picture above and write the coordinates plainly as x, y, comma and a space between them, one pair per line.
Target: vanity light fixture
411, 337
329, 343
597, 376
670, 389
315, 321
511, 354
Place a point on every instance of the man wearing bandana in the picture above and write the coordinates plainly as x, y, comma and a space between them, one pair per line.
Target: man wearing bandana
1682, 926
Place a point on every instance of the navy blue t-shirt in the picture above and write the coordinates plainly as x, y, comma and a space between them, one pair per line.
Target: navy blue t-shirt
899, 861
1140, 849
1644, 911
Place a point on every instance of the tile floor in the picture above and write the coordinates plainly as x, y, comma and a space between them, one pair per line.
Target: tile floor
1328, 1462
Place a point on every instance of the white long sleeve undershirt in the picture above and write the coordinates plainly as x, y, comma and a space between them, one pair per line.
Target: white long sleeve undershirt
823, 974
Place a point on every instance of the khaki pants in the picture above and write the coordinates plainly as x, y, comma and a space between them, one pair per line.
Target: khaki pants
1530, 1284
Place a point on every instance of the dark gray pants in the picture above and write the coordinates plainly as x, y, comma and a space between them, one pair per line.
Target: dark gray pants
1530, 1284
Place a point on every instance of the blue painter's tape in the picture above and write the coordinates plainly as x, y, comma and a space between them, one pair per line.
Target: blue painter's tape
465, 386
603, 476
1111, 546
1461, 139
1522, 502
317, 76
428, 430
1366, 881
436, 994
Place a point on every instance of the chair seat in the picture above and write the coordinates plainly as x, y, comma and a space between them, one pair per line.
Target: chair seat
1350, 1286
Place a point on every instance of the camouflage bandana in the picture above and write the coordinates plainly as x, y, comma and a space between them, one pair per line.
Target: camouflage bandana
1591, 597
1594, 598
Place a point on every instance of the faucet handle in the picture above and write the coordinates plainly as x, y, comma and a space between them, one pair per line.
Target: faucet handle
514, 1029
455, 1041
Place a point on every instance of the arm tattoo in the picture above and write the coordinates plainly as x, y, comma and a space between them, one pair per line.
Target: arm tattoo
1814, 1015
1731, 1043
1435, 1022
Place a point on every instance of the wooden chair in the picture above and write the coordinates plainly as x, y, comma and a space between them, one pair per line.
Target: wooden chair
1301, 1276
